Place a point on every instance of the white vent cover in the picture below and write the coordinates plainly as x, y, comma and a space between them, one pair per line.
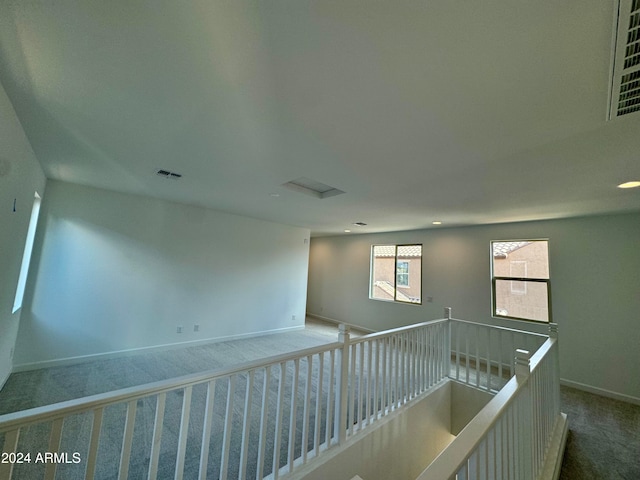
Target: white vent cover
625, 85
312, 187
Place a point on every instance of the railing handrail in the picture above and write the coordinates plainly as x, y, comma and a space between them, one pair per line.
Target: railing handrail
505, 329
448, 462
84, 404
393, 331
79, 405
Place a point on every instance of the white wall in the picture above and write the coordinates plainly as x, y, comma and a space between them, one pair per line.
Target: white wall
20, 177
401, 445
118, 272
595, 285
405, 442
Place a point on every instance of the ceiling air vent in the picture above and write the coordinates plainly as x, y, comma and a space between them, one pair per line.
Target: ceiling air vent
168, 174
625, 84
312, 187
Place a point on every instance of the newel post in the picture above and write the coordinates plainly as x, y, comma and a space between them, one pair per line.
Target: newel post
525, 413
342, 389
447, 342
553, 334
523, 366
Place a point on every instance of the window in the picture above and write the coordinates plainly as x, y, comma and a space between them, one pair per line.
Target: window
520, 285
402, 273
396, 273
26, 256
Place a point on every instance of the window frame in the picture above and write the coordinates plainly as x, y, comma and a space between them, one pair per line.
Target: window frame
395, 275
25, 263
404, 274
524, 280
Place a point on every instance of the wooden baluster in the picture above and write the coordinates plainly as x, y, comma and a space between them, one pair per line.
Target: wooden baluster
92, 455
157, 436
184, 430
10, 446
246, 423
361, 404
340, 424
263, 423
278, 429
293, 413
125, 453
319, 391
371, 377
330, 399
307, 410
226, 437
376, 379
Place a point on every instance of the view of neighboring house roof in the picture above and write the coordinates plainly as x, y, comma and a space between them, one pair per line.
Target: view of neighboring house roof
504, 248
389, 289
403, 250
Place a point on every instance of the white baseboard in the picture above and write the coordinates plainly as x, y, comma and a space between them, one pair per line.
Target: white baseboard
60, 362
600, 391
338, 322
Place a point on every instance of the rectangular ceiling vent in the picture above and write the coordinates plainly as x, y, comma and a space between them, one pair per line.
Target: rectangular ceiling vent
625, 84
167, 174
312, 187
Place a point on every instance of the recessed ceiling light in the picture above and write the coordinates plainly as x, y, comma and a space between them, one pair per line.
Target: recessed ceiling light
437, 222
633, 184
359, 224
274, 195
347, 231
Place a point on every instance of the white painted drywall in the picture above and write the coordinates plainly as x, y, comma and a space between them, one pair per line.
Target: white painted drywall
401, 446
20, 176
118, 272
595, 285
466, 402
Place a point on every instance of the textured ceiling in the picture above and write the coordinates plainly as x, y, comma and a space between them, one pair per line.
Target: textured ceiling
464, 112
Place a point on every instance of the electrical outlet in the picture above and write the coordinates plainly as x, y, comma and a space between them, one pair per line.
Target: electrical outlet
293, 318
179, 329
196, 328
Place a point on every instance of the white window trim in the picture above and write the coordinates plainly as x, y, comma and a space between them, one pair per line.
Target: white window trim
26, 255
494, 309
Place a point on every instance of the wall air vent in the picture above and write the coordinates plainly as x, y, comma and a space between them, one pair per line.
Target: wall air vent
625, 81
168, 174
312, 188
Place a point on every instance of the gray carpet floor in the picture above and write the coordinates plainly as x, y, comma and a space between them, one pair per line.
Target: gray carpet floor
603, 440
604, 437
45, 386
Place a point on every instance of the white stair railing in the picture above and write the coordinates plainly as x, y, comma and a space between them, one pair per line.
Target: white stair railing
510, 437
262, 399
483, 355
388, 369
263, 418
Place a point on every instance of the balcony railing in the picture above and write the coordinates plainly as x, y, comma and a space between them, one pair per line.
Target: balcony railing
267, 418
